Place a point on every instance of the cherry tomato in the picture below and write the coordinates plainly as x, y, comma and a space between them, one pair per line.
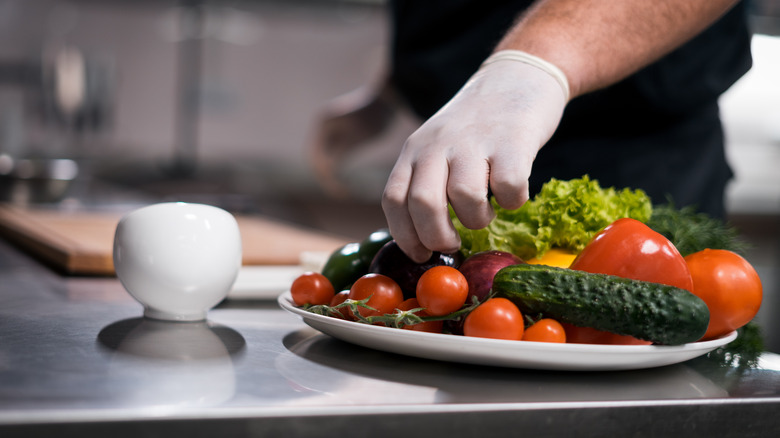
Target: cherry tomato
496, 318
588, 335
427, 326
442, 290
390, 260
545, 330
630, 249
338, 299
311, 288
730, 287
385, 294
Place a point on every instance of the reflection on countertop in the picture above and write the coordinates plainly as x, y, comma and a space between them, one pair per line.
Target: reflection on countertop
180, 363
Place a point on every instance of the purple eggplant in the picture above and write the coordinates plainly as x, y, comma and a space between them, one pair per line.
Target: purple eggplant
391, 261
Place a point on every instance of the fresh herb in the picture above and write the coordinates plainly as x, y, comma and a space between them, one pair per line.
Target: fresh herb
691, 231
397, 320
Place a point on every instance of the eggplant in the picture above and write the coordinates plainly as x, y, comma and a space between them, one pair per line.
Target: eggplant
391, 261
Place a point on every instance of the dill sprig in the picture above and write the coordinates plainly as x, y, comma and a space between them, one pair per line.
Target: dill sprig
691, 231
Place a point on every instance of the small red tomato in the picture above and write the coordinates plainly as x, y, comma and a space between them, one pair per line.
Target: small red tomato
442, 290
588, 335
311, 288
545, 330
385, 294
338, 299
496, 318
730, 287
630, 249
427, 326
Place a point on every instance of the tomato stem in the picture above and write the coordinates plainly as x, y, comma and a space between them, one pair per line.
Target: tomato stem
396, 320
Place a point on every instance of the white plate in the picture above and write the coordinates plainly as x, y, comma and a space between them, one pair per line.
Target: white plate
517, 354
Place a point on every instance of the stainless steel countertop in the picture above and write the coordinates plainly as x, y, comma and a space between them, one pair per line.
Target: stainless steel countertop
77, 359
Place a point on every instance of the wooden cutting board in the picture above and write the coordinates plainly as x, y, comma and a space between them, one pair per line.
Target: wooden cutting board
81, 243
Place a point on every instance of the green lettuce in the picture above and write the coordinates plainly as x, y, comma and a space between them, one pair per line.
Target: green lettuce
564, 214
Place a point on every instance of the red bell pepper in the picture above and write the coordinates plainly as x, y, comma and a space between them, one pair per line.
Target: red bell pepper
630, 249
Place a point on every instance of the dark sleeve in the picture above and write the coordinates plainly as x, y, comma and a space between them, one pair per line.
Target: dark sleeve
438, 44
682, 83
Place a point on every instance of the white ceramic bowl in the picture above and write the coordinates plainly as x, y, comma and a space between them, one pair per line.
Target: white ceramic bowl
177, 259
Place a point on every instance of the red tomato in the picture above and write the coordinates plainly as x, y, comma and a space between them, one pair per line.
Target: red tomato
311, 288
587, 335
545, 330
730, 287
427, 326
442, 290
385, 294
630, 249
338, 299
496, 318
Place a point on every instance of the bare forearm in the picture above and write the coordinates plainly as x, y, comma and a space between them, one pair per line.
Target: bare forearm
599, 42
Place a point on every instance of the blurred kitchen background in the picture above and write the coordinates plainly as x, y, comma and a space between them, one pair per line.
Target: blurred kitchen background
217, 102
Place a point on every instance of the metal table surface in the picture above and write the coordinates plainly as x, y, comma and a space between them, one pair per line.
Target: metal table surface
77, 359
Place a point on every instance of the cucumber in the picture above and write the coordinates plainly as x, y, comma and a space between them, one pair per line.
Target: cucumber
649, 311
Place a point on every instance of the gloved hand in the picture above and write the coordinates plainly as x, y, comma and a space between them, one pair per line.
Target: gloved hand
487, 135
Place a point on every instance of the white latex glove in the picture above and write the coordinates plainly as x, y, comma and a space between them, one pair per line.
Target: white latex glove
487, 135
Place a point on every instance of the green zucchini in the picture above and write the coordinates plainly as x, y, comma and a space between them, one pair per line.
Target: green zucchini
650, 311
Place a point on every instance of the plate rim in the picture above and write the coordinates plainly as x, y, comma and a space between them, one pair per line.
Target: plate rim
285, 302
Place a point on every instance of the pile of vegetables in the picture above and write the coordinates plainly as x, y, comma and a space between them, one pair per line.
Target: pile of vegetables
578, 263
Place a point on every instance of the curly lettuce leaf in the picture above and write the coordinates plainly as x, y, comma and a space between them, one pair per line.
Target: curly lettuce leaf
564, 214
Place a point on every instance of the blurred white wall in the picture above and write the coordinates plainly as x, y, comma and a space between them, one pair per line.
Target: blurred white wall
751, 116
